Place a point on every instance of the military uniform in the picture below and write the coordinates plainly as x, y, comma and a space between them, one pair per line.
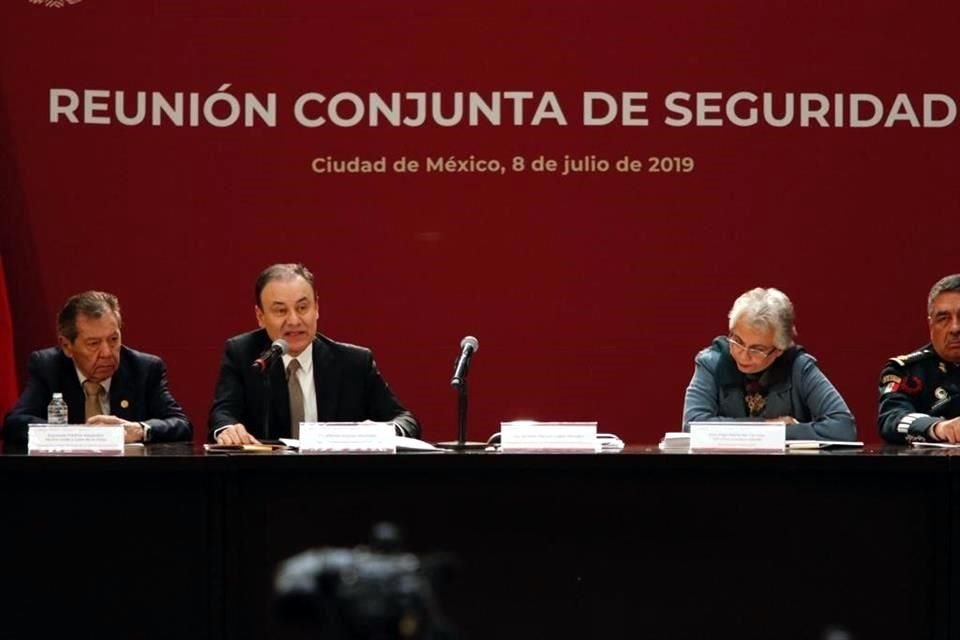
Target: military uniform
917, 391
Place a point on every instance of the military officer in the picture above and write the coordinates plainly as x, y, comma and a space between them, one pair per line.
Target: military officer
920, 391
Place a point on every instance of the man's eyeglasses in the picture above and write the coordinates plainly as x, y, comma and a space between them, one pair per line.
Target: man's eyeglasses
753, 352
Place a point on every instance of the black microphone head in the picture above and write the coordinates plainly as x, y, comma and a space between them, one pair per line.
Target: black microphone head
471, 342
278, 347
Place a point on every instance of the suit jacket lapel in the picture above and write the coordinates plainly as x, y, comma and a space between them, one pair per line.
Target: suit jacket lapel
732, 402
729, 382
72, 391
778, 401
122, 390
326, 381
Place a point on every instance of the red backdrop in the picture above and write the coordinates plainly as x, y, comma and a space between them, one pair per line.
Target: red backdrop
589, 293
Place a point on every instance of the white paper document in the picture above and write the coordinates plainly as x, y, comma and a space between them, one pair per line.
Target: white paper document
401, 443
823, 444
935, 445
365, 436
75, 438
737, 436
532, 435
675, 441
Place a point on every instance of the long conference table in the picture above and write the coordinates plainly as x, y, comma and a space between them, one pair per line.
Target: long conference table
169, 542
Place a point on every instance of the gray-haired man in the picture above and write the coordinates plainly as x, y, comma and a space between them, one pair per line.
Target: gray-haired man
102, 381
920, 391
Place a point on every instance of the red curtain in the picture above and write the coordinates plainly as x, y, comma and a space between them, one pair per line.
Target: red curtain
8, 371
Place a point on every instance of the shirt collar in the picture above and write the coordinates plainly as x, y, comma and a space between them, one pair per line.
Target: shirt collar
104, 383
305, 359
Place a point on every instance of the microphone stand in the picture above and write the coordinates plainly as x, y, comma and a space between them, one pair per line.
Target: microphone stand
461, 443
462, 415
268, 399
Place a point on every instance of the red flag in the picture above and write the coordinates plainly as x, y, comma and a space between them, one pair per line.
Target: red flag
9, 390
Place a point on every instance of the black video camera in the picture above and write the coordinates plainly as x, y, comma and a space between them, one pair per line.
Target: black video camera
374, 592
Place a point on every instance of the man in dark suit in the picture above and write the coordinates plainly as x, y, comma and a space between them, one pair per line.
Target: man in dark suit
317, 380
102, 381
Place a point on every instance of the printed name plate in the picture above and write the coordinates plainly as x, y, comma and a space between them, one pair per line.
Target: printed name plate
348, 436
75, 438
737, 436
530, 435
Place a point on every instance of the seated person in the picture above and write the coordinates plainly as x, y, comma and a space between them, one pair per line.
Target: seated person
318, 380
102, 381
758, 373
920, 392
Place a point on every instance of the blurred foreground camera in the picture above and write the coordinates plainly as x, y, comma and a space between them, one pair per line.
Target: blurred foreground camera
375, 592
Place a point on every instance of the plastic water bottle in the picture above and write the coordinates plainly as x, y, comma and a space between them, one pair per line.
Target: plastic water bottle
57, 410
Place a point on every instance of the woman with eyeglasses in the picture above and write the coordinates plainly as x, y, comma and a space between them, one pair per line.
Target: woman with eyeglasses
757, 372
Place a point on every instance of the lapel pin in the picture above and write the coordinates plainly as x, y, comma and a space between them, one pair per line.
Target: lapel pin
124, 404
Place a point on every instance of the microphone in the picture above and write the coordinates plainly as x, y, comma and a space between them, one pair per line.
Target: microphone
278, 348
468, 346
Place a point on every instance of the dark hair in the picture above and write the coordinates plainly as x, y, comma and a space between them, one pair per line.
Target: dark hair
89, 303
944, 285
286, 271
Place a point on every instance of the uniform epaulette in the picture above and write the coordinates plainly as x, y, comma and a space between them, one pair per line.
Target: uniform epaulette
916, 356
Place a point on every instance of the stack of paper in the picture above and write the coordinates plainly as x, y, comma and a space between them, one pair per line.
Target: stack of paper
609, 442
402, 443
675, 441
821, 444
935, 445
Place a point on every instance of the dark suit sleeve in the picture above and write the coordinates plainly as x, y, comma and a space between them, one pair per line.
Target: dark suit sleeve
383, 406
900, 417
168, 422
32, 404
830, 418
228, 398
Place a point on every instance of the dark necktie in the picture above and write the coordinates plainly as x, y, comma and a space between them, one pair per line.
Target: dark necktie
296, 398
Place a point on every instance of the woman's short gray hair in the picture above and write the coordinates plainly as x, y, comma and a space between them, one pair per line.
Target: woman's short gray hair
768, 308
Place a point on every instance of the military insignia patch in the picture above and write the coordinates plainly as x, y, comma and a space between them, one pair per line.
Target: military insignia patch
887, 379
911, 385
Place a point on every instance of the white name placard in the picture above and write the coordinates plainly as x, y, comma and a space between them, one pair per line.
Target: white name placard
530, 435
75, 438
737, 436
348, 437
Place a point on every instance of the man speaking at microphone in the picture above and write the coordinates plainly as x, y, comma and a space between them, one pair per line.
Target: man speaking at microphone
316, 380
